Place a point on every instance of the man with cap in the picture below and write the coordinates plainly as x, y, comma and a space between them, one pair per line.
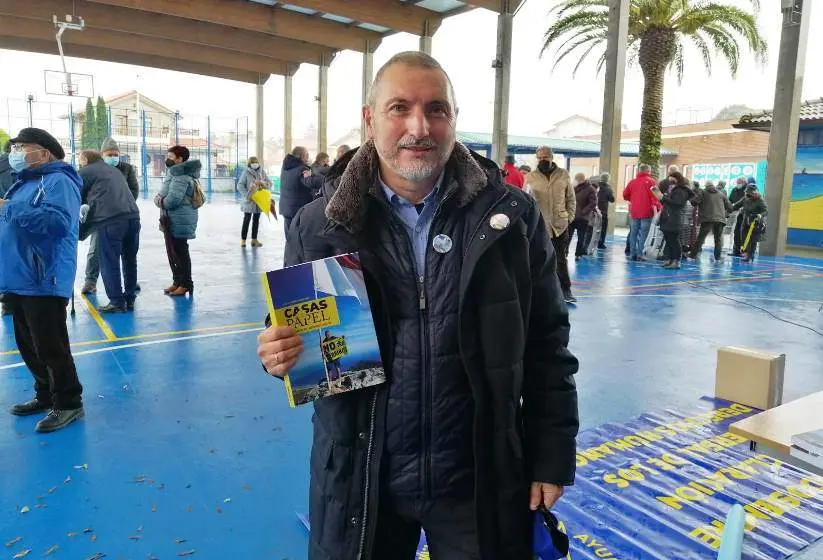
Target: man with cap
475, 428
110, 152
39, 230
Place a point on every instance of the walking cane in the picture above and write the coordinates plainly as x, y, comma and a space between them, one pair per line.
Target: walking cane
72, 302
749, 235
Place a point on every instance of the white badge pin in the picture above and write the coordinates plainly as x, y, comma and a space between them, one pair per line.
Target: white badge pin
442, 243
499, 221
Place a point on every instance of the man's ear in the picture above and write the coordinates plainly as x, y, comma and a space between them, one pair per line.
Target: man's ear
368, 118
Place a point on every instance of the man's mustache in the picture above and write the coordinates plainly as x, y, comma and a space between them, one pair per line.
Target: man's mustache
425, 143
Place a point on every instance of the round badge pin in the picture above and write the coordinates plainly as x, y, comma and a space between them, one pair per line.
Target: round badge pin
442, 243
499, 221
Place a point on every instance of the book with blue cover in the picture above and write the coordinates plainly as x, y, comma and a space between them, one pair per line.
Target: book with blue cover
326, 301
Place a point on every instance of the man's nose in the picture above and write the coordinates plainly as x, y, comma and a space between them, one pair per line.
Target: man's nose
417, 123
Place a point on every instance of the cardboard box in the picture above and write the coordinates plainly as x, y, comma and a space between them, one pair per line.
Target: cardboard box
750, 377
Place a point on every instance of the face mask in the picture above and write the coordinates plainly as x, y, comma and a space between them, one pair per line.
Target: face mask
17, 161
544, 166
170, 163
255, 166
114, 161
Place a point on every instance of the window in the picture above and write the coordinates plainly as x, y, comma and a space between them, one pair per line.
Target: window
810, 137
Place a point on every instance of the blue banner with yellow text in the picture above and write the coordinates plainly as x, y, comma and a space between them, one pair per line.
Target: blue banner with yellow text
659, 487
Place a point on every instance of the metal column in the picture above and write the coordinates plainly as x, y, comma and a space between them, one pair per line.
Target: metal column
287, 111
613, 95
323, 104
72, 140
502, 79
208, 154
426, 38
177, 127
108, 117
368, 77
259, 134
785, 125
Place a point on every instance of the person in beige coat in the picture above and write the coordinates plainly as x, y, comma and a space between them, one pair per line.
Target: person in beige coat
551, 186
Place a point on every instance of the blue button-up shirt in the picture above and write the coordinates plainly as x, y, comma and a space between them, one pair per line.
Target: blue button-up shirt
417, 225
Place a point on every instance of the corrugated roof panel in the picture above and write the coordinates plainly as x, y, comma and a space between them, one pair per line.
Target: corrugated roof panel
298, 9
372, 27
527, 144
266, 2
441, 6
338, 19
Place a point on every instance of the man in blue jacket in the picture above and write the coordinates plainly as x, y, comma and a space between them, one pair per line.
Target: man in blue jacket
39, 230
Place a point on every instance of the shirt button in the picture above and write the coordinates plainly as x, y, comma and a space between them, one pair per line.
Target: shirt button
514, 203
362, 435
483, 236
353, 521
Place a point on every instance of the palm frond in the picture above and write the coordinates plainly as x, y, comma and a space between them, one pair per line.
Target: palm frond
571, 5
725, 44
703, 48
677, 61
583, 58
595, 39
573, 24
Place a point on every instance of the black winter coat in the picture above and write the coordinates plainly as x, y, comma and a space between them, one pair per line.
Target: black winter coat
295, 191
6, 177
511, 330
130, 174
605, 195
674, 205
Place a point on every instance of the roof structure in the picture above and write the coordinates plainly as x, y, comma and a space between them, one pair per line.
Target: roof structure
206, 36
565, 146
811, 112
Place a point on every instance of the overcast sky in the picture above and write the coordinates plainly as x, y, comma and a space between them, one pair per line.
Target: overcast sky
465, 45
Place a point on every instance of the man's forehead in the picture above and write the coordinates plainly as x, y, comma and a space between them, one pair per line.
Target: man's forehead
401, 81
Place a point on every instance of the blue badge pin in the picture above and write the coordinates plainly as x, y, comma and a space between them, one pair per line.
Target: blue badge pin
442, 243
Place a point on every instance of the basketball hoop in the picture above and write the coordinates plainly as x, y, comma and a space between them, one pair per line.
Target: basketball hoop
68, 88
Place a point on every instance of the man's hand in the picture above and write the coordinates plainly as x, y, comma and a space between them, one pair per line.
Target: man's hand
306, 174
279, 348
544, 494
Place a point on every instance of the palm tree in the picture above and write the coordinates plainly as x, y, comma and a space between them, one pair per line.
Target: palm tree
659, 30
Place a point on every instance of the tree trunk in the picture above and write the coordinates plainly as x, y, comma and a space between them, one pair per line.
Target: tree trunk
658, 46
651, 118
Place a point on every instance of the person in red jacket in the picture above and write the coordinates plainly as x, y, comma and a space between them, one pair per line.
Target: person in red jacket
642, 207
511, 174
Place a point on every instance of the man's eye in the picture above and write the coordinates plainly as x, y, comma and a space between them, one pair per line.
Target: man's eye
398, 108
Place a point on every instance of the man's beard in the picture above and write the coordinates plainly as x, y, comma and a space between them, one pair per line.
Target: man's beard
418, 169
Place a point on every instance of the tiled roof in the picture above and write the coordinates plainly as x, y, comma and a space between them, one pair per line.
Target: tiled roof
809, 111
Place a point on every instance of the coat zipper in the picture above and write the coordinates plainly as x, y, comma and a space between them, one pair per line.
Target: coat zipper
366, 484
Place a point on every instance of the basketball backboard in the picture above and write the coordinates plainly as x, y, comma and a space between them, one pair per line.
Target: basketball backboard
69, 84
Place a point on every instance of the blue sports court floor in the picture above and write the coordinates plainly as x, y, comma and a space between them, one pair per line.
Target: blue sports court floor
188, 447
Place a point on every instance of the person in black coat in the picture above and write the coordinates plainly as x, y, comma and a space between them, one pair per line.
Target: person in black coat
738, 193
605, 196
671, 219
476, 424
295, 184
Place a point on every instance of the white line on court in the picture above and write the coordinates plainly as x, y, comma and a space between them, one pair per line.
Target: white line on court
146, 343
687, 296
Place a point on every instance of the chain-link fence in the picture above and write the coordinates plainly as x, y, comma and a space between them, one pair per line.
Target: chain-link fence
221, 144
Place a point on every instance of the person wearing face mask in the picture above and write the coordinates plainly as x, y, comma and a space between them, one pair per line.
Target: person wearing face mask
753, 210
551, 186
39, 231
252, 180
110, 153
475, 428
114, 218
178, 217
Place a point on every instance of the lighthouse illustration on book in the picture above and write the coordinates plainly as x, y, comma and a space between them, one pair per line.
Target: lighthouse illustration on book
326, 301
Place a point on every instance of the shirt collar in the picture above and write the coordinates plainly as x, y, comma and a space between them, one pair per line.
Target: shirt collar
394, 198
